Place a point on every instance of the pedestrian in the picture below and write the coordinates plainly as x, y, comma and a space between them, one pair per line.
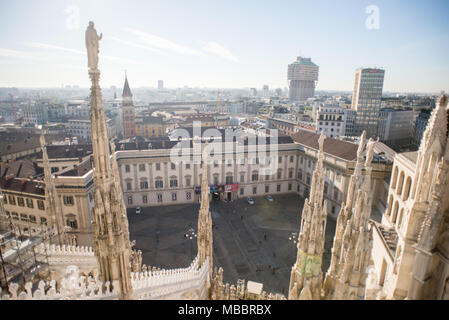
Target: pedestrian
265, 236
241, 217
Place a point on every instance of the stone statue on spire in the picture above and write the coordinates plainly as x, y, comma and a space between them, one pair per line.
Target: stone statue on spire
93, 46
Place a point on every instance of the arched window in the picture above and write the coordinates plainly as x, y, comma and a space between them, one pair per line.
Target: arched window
400, 183
390, 204
408, 185
395, 178
401, 214
395, 212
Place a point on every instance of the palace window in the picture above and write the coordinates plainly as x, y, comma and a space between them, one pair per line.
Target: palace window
159, 183
173, 196
128, 186
44, 221
142, 167
20, 201
158, 167
159, 197
278, 188
23, 217
173, 182
242, 191
127, 168
71, 221
254, 190
143, 184
32, 218
290, 173
130, 199
255, 176
280, 160
188, 181
40, 205
291, 158
300, 174
188, 195
242, 178
279, 174
267, 189
173, 166
289, 187
187, 165
229, 180
68, 200
144, 199
30, 203
12, 200
15, 216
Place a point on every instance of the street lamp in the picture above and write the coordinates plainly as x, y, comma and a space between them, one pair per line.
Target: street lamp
293, 238
191, 235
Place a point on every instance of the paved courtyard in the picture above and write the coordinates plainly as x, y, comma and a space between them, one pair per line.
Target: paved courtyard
249, 240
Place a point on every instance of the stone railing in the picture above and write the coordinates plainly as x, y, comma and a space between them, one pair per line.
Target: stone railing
172, 283
187, 283
66, 255
72, 287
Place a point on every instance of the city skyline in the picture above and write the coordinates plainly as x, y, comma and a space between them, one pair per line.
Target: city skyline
168, 41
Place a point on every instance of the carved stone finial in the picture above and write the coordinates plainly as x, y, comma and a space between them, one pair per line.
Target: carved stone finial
443, 100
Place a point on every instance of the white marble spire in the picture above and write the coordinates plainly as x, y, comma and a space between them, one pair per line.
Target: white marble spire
351, 249
306, 276
205, 248
52, 200
111, 234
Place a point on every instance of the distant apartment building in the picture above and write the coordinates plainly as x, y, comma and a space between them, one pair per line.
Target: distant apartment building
150, 127
160, 84
302, 78
420, 126
81, 128
331, 120
78, 109
35, 113
367, 99
396, 126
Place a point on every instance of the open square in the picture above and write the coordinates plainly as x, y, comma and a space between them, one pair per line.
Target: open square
249, 240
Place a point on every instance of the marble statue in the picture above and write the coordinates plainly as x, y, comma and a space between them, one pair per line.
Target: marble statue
93, 46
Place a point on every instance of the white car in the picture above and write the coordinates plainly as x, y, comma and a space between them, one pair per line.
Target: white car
138, 210
250, 200
269, 198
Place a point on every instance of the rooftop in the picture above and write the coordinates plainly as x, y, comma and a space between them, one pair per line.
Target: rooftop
338, 148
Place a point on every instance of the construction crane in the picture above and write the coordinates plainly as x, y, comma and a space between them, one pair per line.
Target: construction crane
13, 109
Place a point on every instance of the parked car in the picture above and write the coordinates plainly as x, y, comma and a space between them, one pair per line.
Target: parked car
138, 210
250, 200
269, 198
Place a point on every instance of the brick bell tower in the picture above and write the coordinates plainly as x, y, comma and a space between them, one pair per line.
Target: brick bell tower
128, 112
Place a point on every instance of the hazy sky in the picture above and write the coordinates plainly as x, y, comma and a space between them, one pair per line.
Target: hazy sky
226, 44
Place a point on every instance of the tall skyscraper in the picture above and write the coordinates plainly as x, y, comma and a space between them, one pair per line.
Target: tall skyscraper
160, 84
128, 114
302, 78
266, 91
367, 98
